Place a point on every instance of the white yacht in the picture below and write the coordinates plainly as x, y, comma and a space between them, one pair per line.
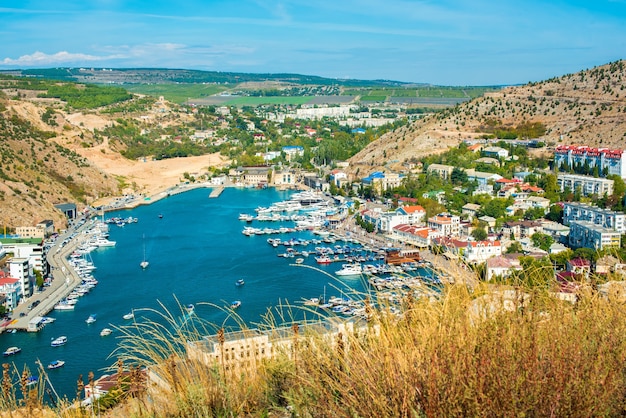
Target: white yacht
350, 270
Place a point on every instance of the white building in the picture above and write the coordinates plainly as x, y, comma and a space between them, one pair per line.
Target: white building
445, 223
21, 270
32, 252
586, 185
584, 234
320, 112
605, 218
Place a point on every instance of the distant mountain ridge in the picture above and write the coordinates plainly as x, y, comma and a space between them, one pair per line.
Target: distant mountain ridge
168, 75
587, 107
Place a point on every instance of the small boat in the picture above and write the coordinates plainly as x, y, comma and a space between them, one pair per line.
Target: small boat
312, 302
190, 308
144, 264
323, 260
63, 306
160, 216
47, 320
11, 351
299, 260
129, 315
91, 319
105, 332
56, 364
235, 304
32, 380
240, 282
57, 342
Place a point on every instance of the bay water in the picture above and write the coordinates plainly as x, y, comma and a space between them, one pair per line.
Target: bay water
197, 252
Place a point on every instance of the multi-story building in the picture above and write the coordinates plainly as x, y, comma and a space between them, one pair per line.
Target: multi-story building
605, 218
42, 230
10, 288
443, 171
30, 249
607, 160
418, 236
445, 223
585, 234
586, 185
21, 270
470, 251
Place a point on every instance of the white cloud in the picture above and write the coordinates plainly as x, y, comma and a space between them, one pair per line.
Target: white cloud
39, 58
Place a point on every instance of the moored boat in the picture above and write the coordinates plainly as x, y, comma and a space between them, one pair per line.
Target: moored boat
57, 342
11, 351
324, 259
56, 364
235, 304
350, 270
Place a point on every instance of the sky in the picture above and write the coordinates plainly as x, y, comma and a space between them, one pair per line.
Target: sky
443, 42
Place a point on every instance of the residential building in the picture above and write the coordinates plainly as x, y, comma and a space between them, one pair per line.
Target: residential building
42, 230
443, 171
31, 249
495, 152
575, 211
470, 251
293, 151
579, 266
470, 209
521, 229
11, 289
609, 161
414, 214
255, 176
481, 177
584, 234
418, 236
445, 223
21, 270
502, 267
340, 178
240, 350
586, 185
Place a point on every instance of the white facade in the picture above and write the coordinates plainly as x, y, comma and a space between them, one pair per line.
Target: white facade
587, 185
32, 252
584, 234
445, 224
21, 270
320, 112
574, 211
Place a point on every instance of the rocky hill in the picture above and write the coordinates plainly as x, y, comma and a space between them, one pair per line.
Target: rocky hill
588, 107
52, 153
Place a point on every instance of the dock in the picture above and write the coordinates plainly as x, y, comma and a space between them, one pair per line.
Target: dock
216, 192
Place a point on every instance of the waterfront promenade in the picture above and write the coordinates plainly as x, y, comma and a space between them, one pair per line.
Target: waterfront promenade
64, 280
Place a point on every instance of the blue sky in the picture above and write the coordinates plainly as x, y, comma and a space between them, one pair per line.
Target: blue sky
447, 42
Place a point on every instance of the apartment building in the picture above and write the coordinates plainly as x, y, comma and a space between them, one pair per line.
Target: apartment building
605, 218
586, 185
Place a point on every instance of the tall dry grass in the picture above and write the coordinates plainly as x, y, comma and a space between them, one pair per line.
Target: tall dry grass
484, 353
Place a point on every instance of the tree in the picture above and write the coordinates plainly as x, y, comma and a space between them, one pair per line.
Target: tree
479, 234
534, 213
38, 278
542, 241
514, 248
555, 214
458, 176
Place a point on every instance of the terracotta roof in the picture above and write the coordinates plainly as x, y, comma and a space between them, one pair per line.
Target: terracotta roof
413, 209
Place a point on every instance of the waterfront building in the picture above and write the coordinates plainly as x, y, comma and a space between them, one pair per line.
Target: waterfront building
10, 288
417, 236
609, 161
586, 185
20, 269
445, 223
285, 177
42, 230
31, 249
585, 234
605, 218
256, 175
237, 350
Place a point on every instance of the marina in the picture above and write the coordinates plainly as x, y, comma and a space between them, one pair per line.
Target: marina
109, 282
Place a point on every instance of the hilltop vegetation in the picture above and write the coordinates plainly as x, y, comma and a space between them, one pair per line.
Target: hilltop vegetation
588, 107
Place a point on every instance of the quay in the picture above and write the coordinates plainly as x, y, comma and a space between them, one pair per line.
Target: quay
65, 279
216, 192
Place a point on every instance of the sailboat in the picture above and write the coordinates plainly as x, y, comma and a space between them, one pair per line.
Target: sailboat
144, 264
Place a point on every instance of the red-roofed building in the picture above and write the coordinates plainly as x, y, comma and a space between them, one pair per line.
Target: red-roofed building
500, 266
470, 251
579, 266
414, 213
419, 236
445, 224
11, 289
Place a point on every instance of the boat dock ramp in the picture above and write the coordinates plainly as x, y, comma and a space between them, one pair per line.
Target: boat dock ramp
216, 192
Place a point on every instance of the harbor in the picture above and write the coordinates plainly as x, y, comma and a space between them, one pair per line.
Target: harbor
196, 263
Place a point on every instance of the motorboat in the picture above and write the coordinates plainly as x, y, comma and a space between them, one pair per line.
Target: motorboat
32, 380
299, 260
350, 270
63, 306
56, 364
12, 351
144, 264
239, 282
105, 332
57, 342
190, 308
235, 304
91, 319
324, 259
129, 315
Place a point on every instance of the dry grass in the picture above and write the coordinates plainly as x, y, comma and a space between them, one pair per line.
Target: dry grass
539, 357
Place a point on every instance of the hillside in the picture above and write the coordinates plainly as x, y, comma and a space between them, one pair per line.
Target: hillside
51, 153
588, 107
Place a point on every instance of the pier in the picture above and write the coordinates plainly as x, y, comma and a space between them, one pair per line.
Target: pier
216, 192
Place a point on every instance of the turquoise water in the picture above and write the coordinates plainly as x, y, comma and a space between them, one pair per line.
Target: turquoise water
196, 253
